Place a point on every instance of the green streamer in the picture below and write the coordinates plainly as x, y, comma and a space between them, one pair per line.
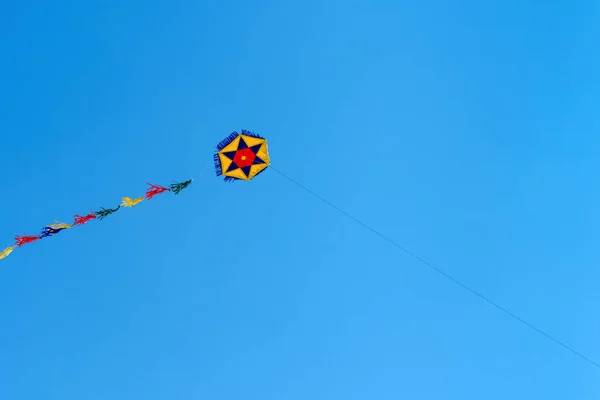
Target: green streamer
104, 212
178, 187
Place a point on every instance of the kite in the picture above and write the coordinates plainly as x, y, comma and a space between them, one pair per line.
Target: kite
240, 156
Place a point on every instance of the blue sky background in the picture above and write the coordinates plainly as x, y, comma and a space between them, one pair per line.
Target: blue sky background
466, 131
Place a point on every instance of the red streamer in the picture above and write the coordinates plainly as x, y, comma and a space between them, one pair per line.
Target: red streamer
153, 190
21, 240
80, 220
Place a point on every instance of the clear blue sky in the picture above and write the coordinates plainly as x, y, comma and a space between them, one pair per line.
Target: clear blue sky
466, 131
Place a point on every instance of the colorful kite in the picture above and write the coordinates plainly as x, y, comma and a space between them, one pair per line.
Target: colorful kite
238, 157
241, 156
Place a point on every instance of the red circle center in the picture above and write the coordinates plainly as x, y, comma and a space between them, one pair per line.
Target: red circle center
244, 158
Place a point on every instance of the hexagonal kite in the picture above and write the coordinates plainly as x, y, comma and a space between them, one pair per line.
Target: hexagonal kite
241, 156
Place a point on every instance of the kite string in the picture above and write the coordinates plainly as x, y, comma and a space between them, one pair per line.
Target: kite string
436, 269
204, 169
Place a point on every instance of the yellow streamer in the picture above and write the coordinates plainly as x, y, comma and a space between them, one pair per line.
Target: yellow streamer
60, 225
127, 202
4, 253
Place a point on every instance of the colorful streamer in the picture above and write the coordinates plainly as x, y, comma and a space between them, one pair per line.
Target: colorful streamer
103, 213
178, 187
49, 231
154, 190
52, 229
80, 220
21, 240
60, 225
5, 253
128, 202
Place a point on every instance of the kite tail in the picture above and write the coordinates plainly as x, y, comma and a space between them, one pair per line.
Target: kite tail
21, 240
6, 252
60, 225
48, 231
80, 220
153, 190
129, 202
178, 187
103, 213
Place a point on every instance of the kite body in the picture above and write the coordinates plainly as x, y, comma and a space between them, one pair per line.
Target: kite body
241, 156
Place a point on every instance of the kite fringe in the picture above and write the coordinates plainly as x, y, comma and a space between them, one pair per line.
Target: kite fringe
251, 134
218, 167
225, 142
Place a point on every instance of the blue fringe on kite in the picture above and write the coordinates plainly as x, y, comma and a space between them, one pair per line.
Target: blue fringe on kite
218, 167
225, 142
251, 134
